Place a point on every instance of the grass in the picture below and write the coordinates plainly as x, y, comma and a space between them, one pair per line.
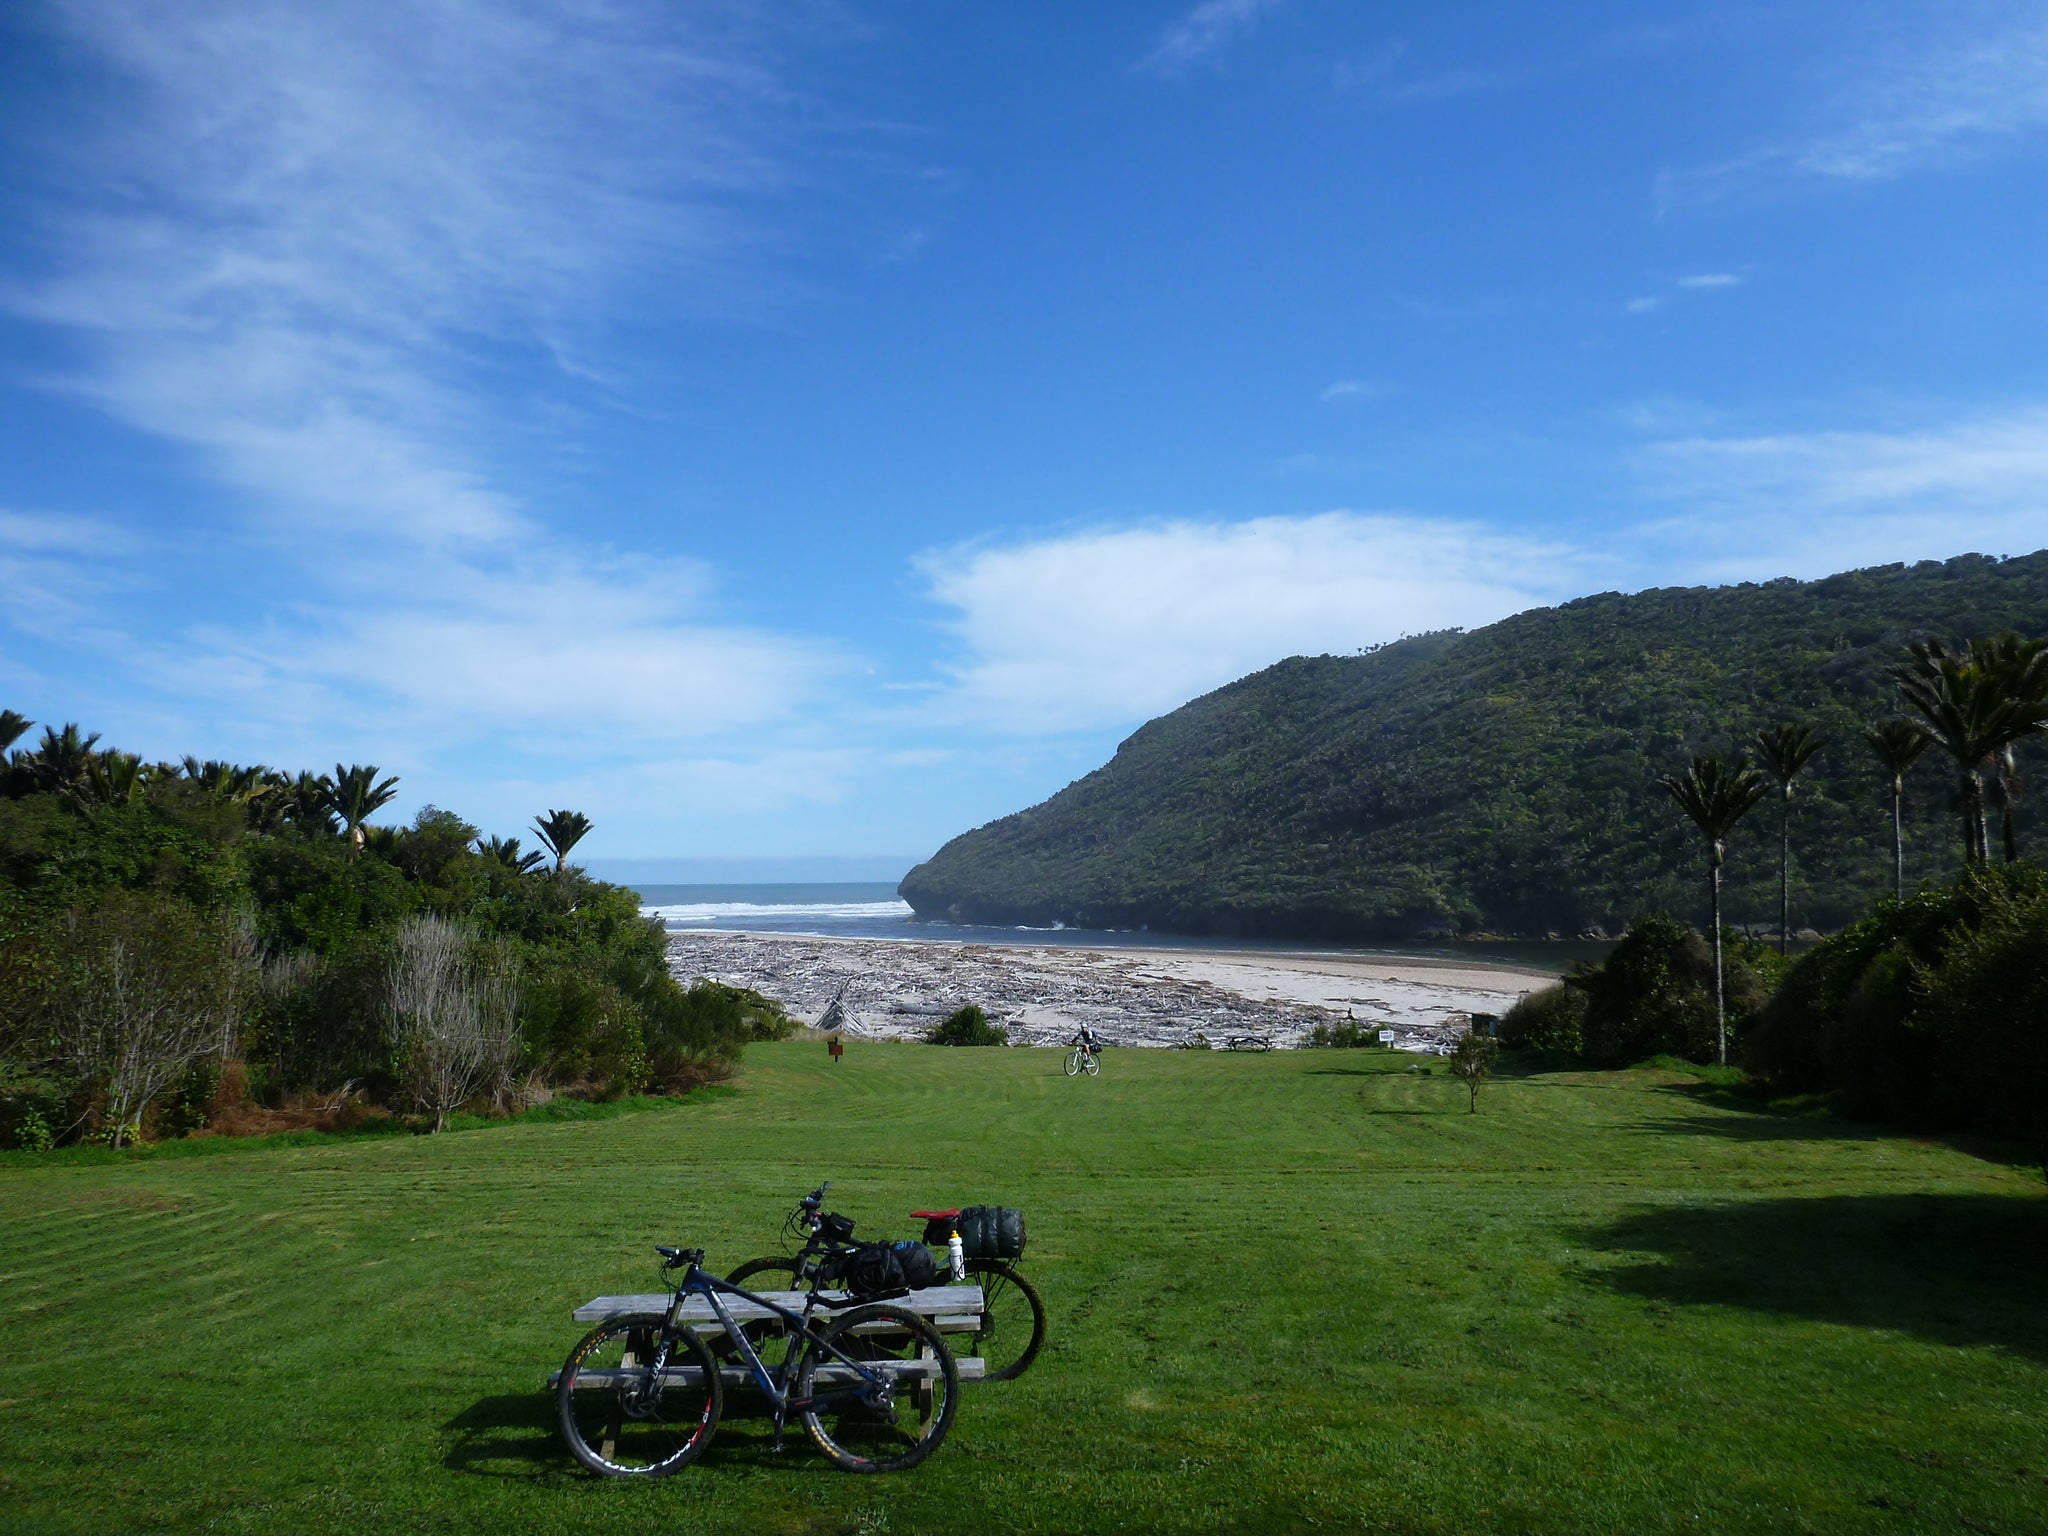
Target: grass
1296, 1290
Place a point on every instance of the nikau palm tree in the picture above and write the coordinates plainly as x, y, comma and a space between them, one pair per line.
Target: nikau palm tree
114, 777
1898, 743
2022, 666
1785, 750
12, 726
505, 850
1976, 702
1716, 795
62, 761
356, 796
308, 803
560, 831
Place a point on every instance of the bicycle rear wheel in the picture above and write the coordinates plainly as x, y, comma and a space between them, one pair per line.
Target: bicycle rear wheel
1091, 1064
775, 1274
621, 1423
1012, 1329
899, 1430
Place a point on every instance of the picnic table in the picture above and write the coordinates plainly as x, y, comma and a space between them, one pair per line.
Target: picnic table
951, 1308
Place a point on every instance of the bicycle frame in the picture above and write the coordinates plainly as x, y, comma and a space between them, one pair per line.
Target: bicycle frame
772, 1380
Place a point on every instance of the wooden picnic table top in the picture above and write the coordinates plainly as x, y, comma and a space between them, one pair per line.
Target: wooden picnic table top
952, 1308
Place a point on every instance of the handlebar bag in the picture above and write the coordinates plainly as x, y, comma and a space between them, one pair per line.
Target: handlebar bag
990, 1232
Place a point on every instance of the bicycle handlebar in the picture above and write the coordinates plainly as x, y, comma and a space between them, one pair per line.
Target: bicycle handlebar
679, 1258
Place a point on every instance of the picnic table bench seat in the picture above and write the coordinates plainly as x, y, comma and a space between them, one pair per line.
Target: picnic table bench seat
951, 1308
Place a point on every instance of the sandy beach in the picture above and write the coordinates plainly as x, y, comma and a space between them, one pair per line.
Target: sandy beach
1136, 997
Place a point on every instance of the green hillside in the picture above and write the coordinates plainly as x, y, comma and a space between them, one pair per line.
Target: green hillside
1503, 780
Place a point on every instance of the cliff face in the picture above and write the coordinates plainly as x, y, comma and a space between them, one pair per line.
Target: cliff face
1503, 780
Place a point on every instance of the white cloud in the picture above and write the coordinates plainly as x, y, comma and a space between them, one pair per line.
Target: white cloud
1202, 35
304, 242
1644, 306
1114, 625
1809, 503
1711, 280
1919, 103
1358, 390
1384, 79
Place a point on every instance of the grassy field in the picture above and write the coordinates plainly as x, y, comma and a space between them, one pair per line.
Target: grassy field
1303, 1290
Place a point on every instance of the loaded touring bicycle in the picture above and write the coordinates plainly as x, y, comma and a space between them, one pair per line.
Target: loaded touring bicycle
872, 1380
1009, 1329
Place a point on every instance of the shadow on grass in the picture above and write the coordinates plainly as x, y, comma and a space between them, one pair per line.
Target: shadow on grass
1767, 1127
1955, 1269
516, 1436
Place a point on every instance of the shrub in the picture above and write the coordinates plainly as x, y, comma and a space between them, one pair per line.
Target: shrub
969, 1026
1933, 1011
1350, 1035
1655, 993
1549, 1019
121, 996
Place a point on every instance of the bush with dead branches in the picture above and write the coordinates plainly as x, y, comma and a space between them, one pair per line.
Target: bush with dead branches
452, 1007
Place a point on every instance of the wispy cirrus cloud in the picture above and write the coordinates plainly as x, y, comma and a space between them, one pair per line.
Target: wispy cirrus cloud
1203, 35
1111, 625
1388, 77
1357, 391
335, 253
1698, 282
1916, 104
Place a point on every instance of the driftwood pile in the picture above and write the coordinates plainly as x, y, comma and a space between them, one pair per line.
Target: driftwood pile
897, 989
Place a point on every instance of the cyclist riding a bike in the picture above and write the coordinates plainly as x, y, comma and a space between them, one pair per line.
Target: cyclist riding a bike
1085, 1039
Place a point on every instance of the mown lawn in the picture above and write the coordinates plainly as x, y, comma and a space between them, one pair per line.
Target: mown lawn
1303, 1290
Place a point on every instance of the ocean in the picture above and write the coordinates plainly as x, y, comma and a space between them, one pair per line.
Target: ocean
873, 910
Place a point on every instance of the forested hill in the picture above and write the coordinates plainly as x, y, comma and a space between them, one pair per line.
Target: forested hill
1505, 780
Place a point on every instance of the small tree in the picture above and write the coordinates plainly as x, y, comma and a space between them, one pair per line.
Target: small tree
453, 1015
1717, 795
969, 1026
1472, 1060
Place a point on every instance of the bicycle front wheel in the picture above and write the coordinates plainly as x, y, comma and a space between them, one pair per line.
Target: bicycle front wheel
622, 1422
1012, 1327
899, 1427
1073, 1061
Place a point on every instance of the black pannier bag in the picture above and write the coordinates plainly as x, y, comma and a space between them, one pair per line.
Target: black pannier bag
875, 1269
986, 1232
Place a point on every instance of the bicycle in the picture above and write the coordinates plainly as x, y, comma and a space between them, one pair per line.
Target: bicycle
1009, 1331
1082, 1058
641, 1394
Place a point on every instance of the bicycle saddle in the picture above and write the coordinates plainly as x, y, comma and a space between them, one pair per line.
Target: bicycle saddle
938, 1215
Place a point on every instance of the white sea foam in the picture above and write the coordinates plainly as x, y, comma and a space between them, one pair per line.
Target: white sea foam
709, 913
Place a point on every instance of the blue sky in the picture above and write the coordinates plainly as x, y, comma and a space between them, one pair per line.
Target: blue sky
810, 430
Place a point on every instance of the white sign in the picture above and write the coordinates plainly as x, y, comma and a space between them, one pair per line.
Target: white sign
1386, 1037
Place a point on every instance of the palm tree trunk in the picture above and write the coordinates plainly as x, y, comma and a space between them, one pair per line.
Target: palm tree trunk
1785, 872
1898, 840
1720, 999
